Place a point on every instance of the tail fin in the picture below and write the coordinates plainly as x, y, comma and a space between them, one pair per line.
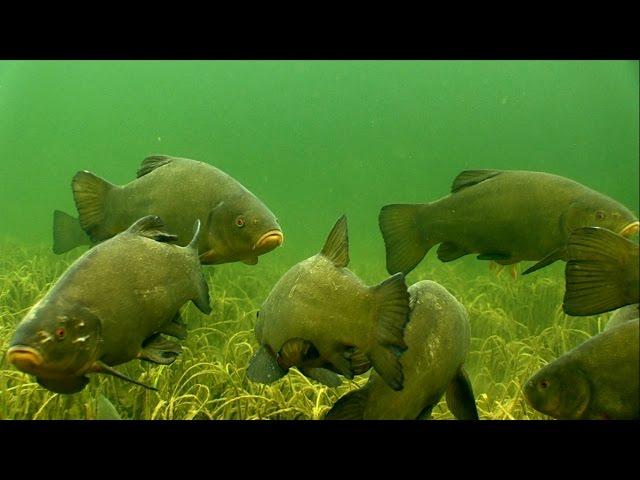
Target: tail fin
404, 241
67, 233
90, 193
350, 406
597, 272
393, 314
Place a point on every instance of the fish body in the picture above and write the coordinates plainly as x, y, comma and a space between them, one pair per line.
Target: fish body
237, 226
322, 318
437, 337
622, 315
503, 215
110, 307
599, 379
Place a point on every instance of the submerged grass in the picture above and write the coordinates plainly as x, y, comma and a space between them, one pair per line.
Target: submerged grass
517, 326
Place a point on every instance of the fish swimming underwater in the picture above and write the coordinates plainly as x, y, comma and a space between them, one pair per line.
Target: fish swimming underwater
602, 272
437, 337
111, 306
322, 318
622, 315
503, 215
237, 226
597, 380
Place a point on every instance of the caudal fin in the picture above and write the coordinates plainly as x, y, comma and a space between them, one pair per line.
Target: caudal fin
596, 272
67, 233
393, 314
90, 193
404, 241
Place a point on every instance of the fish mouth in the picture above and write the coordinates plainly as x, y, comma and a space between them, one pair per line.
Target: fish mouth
25, 359
630, 229
269, 241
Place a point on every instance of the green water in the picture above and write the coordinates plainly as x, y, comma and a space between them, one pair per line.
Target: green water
313, 139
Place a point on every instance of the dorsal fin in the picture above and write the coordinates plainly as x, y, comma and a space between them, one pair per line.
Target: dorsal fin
469, 178
152, 162
336, 248
151, 227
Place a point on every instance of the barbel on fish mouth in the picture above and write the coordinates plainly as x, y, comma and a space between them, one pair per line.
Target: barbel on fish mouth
237, 225
112, 305
502, 215
322, 319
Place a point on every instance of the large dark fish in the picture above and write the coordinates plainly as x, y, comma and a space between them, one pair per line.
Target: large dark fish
321, 318
236, 225
503, 215
602, 272
597, 380
110, 307
437, 337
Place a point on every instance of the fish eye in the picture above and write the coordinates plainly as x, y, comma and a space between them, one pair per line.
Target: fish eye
544, 384
240, 222
60, 333
600, 215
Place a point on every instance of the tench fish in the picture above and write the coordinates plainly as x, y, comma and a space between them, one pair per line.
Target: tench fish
111, 306
322, 318
597, 380
503, 215
237, 226
602, 272
437, 337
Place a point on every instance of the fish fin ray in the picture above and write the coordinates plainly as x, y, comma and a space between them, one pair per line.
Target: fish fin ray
350, 406
101, 367
151, 227
468, 178
67, 233
336, 248
554, 256
151, 163
263, 367
405, 244
460, 398
90, 193
449, 251
359, 360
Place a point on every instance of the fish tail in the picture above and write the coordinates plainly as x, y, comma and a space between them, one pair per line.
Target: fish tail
67, 233
595, 272
392, 300
350, 406
90, 193
405, 242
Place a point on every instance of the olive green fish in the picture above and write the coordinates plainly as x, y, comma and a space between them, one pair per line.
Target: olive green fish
596, 380
437, 337
624, 314
111, 306
503, 215
602, 272
323, 319
237, 226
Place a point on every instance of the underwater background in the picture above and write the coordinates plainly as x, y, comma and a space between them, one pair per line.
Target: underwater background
313, 140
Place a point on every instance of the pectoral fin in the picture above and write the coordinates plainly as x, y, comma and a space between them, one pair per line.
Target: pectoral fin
100, 367
460, 399
175, 328
105, 409
557, 254
448, 251
264, 368
158, 349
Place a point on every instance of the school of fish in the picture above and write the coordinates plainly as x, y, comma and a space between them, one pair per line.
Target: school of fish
149, 239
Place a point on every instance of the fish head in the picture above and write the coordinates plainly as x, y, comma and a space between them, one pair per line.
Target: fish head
559, 390
596, 210
240, 229
56, 343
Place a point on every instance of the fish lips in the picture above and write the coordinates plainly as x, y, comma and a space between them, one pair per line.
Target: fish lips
267, 242
630, 229
26, 359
